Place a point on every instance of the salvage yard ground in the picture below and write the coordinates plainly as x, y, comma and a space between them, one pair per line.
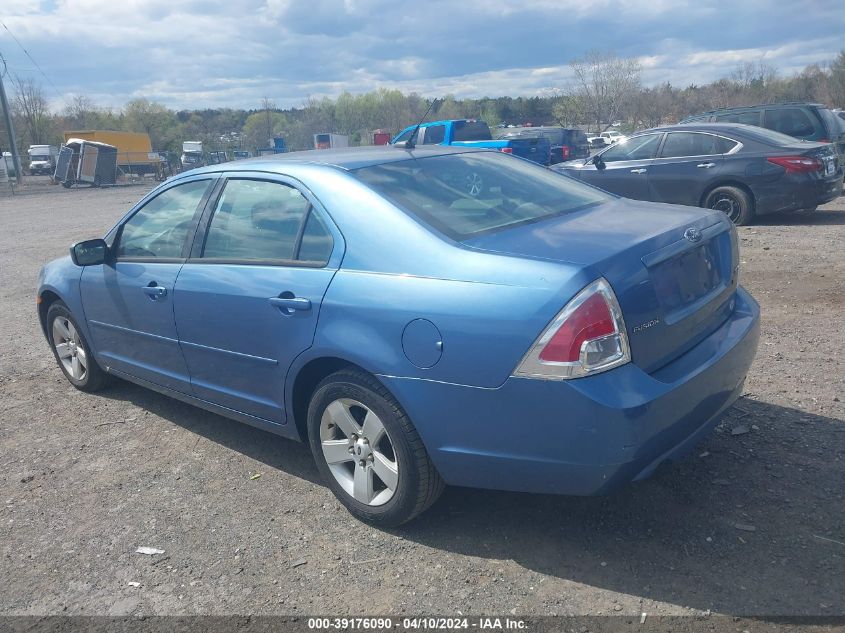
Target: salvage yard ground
752, 523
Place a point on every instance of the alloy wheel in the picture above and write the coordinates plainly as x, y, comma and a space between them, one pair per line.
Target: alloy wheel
728, 205
69, 349
359, 452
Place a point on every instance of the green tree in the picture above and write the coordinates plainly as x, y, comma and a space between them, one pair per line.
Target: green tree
154, 119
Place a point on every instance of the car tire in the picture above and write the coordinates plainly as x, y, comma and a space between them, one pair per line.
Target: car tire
733, 202
364, 443
71, 349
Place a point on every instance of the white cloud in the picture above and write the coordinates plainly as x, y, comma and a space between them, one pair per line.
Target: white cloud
207, 53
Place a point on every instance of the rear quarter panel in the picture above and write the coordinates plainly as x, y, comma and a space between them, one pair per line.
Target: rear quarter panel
489, 308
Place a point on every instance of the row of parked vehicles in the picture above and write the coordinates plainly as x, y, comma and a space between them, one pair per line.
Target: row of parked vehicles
747, 162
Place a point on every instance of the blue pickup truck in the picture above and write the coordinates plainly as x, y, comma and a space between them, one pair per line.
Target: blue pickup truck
472, 133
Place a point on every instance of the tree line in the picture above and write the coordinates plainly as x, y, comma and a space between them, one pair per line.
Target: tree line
605, 90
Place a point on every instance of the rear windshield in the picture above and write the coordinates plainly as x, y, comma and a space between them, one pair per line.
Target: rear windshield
770, 137
463, 195
470, 131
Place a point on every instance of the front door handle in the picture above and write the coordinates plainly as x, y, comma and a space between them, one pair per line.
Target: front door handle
154, 292
639, 171
290, 304
706, 165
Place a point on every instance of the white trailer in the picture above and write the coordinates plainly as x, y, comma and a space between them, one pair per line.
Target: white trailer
328, 140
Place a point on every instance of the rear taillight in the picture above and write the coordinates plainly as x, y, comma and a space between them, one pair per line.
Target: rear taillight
565, 149
587, 337
797, 164
506, 150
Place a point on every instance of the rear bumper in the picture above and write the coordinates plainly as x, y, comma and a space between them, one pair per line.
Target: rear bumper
797, 192
585, 436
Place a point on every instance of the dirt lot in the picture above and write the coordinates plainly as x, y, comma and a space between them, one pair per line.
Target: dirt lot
752, 523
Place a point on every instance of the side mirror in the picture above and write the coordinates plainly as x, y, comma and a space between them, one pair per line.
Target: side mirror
89, 252
598, 162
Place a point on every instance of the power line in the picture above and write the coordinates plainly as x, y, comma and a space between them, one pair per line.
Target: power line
35, 63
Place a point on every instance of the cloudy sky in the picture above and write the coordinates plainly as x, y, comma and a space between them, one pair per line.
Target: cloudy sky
205, 53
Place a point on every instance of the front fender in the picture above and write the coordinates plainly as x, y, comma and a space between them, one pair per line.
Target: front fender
59, 279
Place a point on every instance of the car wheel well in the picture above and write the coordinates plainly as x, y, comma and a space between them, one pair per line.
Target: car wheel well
306, 382
48, 298
729, 183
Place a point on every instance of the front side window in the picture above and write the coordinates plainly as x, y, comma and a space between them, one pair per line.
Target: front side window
263, 221
679, 144
635, 148
160, 228
748, 118
463, 195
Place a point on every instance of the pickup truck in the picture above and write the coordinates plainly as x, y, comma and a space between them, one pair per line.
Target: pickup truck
610, 137
472, 133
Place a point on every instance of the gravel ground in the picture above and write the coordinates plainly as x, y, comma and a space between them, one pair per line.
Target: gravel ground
752, 523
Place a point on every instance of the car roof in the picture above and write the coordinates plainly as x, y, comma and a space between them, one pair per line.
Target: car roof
346, 158
788, 104
725, 128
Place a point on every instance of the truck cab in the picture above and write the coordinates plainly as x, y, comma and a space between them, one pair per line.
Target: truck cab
472, 133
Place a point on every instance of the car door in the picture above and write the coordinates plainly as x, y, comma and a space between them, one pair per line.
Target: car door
688, 163
623, 168
128, 301
247, 300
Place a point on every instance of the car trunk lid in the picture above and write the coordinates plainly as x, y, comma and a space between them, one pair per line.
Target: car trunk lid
673, 269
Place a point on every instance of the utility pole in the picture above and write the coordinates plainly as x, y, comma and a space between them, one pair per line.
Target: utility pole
7, 114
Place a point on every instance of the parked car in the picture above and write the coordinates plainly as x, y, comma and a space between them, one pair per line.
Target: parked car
596, 140
565, 143
743, 170
612, 136
475, 134
546, 338
808, 121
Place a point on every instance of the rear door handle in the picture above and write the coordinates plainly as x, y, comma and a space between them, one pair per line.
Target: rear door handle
706, 165
154, 292
288, 305
639, 171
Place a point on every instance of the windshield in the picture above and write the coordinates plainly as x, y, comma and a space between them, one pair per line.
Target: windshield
463, 195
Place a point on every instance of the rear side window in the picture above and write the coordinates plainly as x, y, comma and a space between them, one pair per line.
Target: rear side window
748, 118
635, 148
833, 123
256, 220
434, 135
316, 245
160, 228
470, 131
794, 122
680, 144
576, 137
462, 195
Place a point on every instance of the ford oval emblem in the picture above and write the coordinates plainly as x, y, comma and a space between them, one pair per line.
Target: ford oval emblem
693, 234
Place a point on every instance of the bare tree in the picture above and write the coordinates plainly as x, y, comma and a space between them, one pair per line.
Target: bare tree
81, 112
605, 83
31, 107
755, 80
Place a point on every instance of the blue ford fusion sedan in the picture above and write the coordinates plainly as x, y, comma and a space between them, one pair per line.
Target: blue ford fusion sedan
420, 316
